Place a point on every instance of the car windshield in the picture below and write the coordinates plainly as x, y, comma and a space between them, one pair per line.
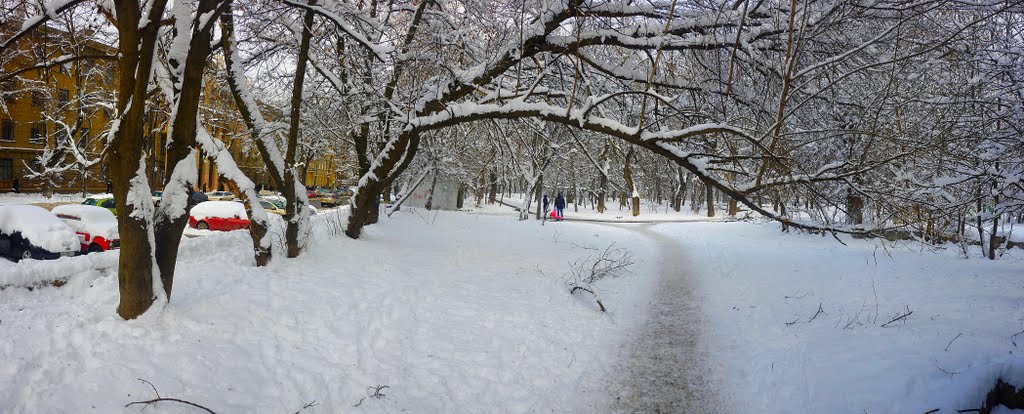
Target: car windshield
90, 201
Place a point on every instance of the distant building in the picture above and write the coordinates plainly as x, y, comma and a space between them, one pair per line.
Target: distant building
445, 194
90, 85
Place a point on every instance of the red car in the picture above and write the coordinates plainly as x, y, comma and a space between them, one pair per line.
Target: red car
218, 215
96, 226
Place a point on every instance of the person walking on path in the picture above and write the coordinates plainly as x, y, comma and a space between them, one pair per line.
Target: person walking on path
545, 202
560, 205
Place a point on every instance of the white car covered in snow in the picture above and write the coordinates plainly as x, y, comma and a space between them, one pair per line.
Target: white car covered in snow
31, 232
96, 226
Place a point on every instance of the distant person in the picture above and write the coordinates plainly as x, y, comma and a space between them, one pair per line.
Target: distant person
16, 185
560, 205
545, 204
110, 187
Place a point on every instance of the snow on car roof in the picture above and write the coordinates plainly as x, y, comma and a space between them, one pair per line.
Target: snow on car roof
222, 209
97, 221
39, 227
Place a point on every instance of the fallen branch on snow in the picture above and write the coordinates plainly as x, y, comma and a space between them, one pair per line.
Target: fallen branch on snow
163, 399
902, 317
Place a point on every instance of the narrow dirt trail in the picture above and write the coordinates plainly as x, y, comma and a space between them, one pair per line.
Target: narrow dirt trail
661, 366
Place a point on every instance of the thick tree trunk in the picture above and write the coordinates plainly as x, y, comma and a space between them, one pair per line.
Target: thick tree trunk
170, 224
135, 63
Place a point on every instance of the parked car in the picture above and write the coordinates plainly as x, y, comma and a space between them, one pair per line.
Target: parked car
103, 200
218, 215
199, 197
31, 232
329, 199
272, 207
220, 196
96, 226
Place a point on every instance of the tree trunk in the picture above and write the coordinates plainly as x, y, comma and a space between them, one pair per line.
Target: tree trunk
135, 63
494, 187
710, 200
257, 228
294, 206
538, 194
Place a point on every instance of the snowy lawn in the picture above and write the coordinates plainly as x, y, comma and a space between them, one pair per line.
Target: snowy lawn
458, 312
762, 288
453, 313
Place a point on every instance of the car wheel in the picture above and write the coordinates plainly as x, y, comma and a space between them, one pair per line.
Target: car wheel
26, 254
95, 248
202, 225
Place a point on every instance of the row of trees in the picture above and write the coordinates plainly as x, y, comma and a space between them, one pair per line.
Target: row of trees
914, 108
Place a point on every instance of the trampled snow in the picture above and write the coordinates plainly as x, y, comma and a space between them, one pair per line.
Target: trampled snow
458, 312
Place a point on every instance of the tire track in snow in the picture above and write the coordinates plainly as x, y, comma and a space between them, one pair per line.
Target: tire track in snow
661, 367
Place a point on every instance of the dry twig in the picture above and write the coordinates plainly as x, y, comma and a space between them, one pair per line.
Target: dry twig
159, 399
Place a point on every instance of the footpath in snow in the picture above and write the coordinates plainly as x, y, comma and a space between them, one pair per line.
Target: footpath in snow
456, 312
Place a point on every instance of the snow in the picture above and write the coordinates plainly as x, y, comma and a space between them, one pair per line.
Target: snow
490, 327
38, 226
30, 198
754, 280
96, 221
221, 209
459, 312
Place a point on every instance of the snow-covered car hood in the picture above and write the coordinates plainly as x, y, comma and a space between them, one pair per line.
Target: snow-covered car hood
220, 209
39, 227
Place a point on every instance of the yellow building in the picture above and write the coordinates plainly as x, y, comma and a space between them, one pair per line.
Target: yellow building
39, 106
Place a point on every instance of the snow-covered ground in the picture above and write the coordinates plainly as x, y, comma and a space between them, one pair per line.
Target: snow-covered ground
453, 314
30, 198
761, 289
458, 312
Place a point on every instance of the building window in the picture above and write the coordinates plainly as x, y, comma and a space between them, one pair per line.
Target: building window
83, 139
38, 98
63, 95
6, 169
38, 133
7, 91
7, 130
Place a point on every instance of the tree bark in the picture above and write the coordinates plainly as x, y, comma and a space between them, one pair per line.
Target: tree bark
135, 64
293, 214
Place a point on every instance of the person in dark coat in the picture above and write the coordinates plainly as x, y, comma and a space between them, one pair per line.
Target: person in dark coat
17, 186
545, 200
560, 205
110, 187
